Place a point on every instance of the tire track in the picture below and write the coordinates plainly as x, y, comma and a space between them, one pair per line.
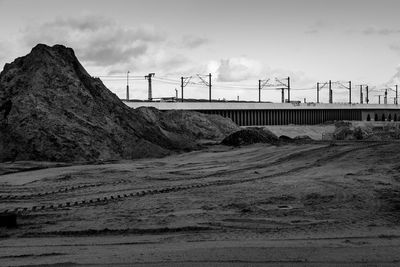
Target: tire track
102, 200
60, 190
120, 197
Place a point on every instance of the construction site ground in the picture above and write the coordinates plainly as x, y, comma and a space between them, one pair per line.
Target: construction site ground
318, 203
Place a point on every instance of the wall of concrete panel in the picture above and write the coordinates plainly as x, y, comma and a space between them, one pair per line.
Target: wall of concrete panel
381, 115
300, 117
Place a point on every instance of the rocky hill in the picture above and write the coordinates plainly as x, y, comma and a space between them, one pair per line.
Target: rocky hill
52, 109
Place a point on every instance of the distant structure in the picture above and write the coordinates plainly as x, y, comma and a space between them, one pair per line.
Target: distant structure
148, 77
127, 85
259, 114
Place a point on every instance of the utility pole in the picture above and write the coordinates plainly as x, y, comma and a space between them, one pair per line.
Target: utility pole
182, 88
317, 93
127, 85
286, 86
201, 77
367, 99
261, 85
385, 99
209, 86
330, 92
361, 94
176, 94
148, 77
184, 82
397, 101
379, 99
350, 92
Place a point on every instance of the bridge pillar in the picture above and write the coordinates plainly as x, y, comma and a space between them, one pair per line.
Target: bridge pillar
302, 116
287, 116
263, 117
277, 117
311, 117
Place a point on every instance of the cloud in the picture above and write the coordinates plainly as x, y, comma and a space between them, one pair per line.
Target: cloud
316, 27
395, 47
395, 79
311, 31
3, 49
97, 40
373, 30
87, 23
108, 55
6, 52
157, 59
241, 69
189, 41
105, 46
236, 69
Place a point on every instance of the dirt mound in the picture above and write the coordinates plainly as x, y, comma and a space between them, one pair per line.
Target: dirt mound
285, 138
51, 109
303, 137
250, 136
344, 133
194, 124
314, 132
366, 131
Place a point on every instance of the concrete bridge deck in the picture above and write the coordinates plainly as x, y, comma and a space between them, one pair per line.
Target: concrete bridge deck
253, 113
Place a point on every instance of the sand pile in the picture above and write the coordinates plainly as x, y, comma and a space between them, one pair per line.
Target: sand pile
194, 124
52, 109
373, 131
250, 136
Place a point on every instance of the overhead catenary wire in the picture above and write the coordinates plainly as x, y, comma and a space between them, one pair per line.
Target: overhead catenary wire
176, 81
198, 82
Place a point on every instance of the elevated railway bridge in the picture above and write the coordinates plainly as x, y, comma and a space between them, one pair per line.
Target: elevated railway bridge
258, 114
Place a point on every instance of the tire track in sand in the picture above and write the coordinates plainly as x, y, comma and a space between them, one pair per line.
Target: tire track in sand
104, 200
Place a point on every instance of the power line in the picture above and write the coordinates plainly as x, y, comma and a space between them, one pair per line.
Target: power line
267, 85
118, 76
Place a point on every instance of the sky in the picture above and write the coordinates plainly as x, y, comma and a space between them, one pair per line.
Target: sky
238, 41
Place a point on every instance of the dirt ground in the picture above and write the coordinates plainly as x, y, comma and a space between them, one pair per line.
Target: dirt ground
315, 132
314, 204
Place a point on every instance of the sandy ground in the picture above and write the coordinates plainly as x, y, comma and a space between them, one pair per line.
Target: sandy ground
315, 132
321, 203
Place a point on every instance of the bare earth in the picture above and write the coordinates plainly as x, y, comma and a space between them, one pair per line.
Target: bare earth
290, 205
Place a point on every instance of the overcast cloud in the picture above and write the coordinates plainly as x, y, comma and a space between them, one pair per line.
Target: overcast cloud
97, 40
190, 41
395, 78
395, 47
308, 40
373, 30
238, 69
